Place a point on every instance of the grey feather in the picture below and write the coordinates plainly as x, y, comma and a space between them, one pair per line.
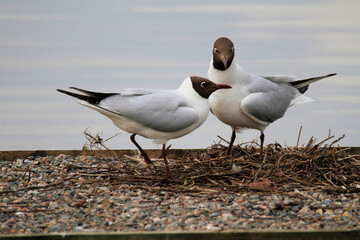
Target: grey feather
165, 110
268, 101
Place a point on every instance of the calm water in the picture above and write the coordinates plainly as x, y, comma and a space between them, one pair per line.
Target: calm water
109, 45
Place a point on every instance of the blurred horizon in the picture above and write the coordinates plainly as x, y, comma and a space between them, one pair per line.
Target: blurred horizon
110, 45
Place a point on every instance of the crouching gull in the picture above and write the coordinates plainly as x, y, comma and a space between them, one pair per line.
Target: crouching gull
254, 101
157, 114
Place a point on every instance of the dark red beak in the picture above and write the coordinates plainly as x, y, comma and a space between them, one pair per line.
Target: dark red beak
221, 86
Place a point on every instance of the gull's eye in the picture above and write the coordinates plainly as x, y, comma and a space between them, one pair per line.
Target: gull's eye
232, 49
203, 84
216, 50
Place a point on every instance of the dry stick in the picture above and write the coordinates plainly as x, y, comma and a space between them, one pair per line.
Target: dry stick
30, 188
213, 175
134, 159
223, 139
304, 194
141, 160
353, 158
320, 143
101, 142
298, 140
309, 144
206, 161
337, 140
261, 166
329, 180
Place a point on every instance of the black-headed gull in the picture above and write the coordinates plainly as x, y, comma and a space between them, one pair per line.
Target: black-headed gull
254, 101
153, 113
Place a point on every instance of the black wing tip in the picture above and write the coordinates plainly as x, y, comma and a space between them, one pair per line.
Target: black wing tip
331, 74
88, 96
63, 91
89, 99
303, 89
78, 89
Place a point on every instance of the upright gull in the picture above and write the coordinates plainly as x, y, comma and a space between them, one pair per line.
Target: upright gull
157, 114
254, 101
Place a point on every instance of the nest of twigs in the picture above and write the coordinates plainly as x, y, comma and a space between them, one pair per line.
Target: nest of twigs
316, 166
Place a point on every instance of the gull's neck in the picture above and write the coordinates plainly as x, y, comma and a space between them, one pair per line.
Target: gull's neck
230, 76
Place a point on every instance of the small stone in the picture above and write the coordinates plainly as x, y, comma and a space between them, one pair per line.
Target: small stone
329, 212
19, 162
19, 214
54, 229
52, 222
304, 210
80, 202
27, 161
78, 229
174, 207
273, 205
319, 211
326, 202
227, 217
53, 205
149, 227
254, 197
295, 208
215, 214
286, 200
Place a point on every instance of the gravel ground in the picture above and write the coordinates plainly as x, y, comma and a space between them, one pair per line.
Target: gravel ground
67, 193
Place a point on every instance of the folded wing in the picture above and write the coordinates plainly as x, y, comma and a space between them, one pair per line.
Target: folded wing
162, 110
265, 107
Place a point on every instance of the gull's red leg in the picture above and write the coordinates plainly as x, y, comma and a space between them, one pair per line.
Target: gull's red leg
168, 173
143, 153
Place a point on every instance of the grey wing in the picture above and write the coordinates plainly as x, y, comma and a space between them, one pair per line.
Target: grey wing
281, 78
266, 106
161, 110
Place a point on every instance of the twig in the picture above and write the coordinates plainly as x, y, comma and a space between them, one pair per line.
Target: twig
30, 188
298, 140
223, 139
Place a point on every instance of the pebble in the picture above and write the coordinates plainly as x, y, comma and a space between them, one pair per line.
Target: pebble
305, 210
81, 205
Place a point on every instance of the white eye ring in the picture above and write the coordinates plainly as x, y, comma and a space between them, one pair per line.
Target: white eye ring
232, 49
203, 84
215, 50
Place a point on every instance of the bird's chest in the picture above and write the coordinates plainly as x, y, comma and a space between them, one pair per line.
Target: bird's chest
225, 105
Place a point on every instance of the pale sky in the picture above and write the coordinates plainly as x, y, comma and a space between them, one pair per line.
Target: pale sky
110, 45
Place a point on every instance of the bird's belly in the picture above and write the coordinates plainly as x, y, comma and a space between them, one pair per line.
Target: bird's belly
160, 137
227, 109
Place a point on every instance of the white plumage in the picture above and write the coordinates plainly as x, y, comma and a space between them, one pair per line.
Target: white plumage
254, 101
157, 114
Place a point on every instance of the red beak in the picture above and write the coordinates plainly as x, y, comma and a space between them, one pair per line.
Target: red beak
221, 86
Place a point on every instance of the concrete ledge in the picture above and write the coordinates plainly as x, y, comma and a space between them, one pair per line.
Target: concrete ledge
248, 235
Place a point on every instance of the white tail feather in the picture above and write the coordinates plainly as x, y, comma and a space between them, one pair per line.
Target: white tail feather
301, 99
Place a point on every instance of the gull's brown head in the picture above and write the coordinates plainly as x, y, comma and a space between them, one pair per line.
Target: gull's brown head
204, 87
223, 53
